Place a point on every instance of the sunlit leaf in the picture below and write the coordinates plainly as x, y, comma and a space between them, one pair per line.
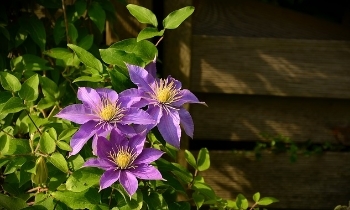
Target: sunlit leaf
58, 160
203, 160
175, 18
267, 201
87, 58
29, 90
83, 179
9, 82
142, 14
149, 32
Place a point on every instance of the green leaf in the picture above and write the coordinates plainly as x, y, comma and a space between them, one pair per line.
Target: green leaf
148, 32
47, 143
21, 36
135, 202
83, 179
78, 200
87, 58
75, 162
241, 201
12, 203
15, 146
29, 90
9, 82
203, 160
190, 159
256, 197
198, 199
142, 14
72, 33
156, 201
181, 205
267, 201
14, 165
13, 105
59, 31
29, 62
86, 42
93, 78
182, 173
67, 134
36, 31
59, 161
204, 189
97, 15
129, 51
120, 82
175, 18
48, 87
63, 146
80, 7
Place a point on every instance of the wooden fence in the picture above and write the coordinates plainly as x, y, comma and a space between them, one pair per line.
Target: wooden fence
265, 69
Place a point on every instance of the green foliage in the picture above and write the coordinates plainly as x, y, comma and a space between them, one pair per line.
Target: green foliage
44, 58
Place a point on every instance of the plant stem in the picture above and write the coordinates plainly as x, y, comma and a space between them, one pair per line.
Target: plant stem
7, 133
161, 38
34, 123
65, 20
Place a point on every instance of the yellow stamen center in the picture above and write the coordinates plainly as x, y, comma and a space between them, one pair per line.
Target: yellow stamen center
165, 91
123, 158
110, 112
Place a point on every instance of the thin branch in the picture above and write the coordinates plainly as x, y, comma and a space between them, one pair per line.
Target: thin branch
65, 20
7, 133
161, 38
34, 123
51, 112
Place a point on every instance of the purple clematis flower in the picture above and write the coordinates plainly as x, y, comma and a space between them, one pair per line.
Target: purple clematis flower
125, 160
101, 111
165, 100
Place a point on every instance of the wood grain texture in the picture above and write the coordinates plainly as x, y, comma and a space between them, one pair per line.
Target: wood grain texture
271, 66
245, 118
315, 182
126, 26
249, 18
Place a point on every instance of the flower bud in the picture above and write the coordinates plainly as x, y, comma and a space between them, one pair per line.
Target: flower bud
41, 174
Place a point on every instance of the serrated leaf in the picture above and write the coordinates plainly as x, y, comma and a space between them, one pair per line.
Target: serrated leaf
267, 201
87, 58
203, 159
83, 179
148, 32
29, 90
9, 82
142, 14
13, 105
190, 159
47, 143
78, 200
175, 18
97, 15
92, 78
36, 31
59, 161
12, 202
256, 197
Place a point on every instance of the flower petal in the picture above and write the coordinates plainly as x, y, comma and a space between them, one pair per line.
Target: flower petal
109, 177
107, 93
169, 127
85, 132
186, 122
186, 96
137, 116
155, 112
140, 77
103, 147
151, 67
133, 97
129, 182
147, 172
99, 163
116, 138
137, 142
89, 97
77, 113
148, 155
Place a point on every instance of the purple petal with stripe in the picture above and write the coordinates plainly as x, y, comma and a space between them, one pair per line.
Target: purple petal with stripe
109, 177
186, 122
129, 182
85, 132
140, 77
99, 163
107, 93
89, 97
169, 127
77, 113
137, 116
147, 172
148, 155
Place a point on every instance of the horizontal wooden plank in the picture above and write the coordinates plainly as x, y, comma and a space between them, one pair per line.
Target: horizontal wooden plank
249, 18
315, 182
266, 66
245, 117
